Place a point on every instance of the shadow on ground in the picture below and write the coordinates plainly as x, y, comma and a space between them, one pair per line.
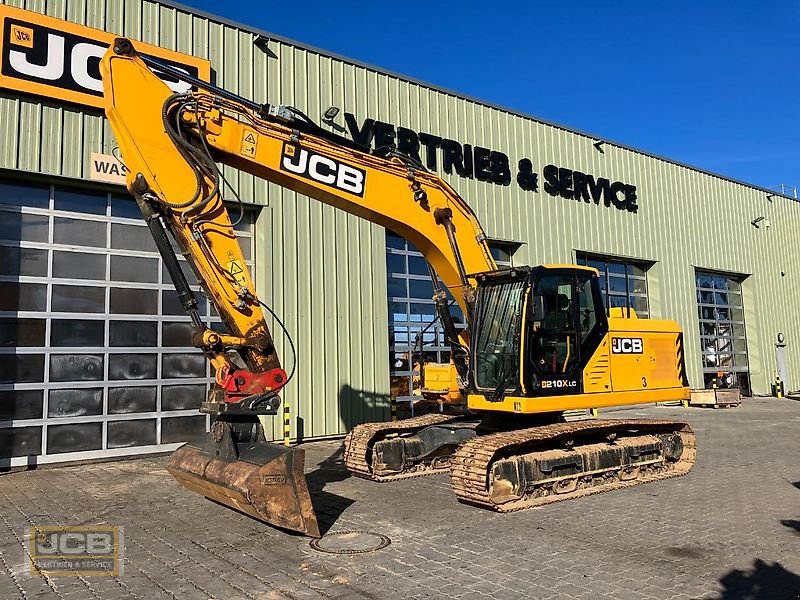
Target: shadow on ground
791, 524
763, 582
328, 506
355, 407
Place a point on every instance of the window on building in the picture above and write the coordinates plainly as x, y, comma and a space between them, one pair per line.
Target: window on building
503, 252
623, 283
720, 311
412, 312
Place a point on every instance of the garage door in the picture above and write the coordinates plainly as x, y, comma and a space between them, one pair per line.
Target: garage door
95, 352
720, 311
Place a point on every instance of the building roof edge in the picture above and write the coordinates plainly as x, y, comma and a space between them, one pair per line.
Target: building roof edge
511, 111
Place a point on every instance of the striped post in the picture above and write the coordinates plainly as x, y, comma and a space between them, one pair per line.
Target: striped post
287, 423
778, 386
393, 405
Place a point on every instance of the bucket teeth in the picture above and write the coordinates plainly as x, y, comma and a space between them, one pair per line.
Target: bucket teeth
266, 482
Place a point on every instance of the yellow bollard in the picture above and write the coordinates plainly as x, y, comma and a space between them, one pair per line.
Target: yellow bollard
287, 424
593, 412
393, 404
778, 386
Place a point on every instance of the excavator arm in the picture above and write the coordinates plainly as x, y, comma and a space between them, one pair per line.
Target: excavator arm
171, 145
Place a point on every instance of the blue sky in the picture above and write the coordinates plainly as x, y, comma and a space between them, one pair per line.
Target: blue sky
713, 84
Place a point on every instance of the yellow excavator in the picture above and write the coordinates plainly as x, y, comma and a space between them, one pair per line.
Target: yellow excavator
538, 340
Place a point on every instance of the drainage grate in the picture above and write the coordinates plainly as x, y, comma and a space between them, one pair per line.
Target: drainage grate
350, 542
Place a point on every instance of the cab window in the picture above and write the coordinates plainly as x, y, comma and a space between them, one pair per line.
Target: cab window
555, 348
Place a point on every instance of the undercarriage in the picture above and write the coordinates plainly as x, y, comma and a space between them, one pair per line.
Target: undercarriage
522, 467
407, 448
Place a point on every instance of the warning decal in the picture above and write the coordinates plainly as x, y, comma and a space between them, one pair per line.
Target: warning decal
235, 268
249, 143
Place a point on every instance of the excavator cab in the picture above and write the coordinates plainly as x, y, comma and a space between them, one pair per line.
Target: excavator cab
535, 325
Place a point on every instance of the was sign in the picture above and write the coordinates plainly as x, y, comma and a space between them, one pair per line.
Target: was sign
105, 167
60, 60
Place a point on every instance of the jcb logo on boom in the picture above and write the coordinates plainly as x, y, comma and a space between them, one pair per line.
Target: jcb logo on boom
323, 169
627, 346
61, 60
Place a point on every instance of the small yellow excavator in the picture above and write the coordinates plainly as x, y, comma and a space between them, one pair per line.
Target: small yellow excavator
538, 340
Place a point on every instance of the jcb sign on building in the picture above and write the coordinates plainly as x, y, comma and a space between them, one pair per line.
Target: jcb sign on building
60, 60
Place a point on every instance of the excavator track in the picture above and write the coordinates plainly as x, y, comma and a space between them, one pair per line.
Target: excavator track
359, 443
472, 464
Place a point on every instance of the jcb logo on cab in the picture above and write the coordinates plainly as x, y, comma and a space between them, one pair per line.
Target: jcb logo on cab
627, 345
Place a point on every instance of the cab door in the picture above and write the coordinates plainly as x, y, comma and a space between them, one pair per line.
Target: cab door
564, 326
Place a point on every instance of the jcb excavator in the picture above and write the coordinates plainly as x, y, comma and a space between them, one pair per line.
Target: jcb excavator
538, 340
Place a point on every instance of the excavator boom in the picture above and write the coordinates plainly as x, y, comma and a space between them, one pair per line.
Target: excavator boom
171, 144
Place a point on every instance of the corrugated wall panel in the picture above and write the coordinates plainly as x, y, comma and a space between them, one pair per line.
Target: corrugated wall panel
9, 131
324, 272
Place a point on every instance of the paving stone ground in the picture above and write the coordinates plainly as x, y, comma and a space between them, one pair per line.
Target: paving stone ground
730, 529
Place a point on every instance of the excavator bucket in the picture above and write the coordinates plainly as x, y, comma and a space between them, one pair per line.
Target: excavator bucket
237, 467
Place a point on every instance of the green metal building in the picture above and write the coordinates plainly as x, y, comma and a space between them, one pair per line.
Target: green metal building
94, 354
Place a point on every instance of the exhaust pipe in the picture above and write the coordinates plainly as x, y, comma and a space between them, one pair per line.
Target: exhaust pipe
237, 467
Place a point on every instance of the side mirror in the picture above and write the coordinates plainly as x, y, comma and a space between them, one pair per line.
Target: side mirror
536, 308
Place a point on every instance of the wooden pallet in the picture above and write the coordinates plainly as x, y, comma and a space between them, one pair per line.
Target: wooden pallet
716, 398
